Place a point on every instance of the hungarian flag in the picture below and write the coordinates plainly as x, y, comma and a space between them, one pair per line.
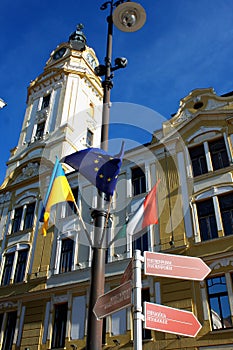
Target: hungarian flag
147, 214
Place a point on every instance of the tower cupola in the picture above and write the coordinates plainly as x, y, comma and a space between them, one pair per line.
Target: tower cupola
62, 113
77, 39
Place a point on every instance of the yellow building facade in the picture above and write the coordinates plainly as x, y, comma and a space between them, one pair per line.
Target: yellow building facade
44, 281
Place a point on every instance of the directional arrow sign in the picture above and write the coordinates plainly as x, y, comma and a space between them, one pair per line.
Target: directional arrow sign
115, 300
167, 319
128, 273
175, 266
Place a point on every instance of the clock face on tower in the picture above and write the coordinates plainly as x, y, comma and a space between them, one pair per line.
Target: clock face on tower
59, 53
91, 60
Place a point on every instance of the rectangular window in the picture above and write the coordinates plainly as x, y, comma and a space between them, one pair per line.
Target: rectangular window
78, 318
119, 324
104, 331
226, 209
198, 158
45, 102
141, 243
40, 131
9, 331
207, 220
91, 109
28, 221
90, 136
18, 273
66, 255
219, 303
70, 206
21, 266
218, 154
9, 259
138, 181
27, 216
17, 220
59, 326
1, 319
146, 333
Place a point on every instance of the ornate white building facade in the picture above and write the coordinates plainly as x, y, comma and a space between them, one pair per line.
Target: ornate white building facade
44, 281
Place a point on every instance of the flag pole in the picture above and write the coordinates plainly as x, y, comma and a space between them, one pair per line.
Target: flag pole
83, 224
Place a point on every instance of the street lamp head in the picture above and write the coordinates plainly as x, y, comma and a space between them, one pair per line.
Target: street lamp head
2, 103
78, 39
100, 70
121, 62
129, 16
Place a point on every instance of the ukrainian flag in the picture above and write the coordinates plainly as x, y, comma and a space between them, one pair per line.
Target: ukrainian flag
58, 191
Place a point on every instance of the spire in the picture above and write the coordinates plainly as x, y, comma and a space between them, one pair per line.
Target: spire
77, 39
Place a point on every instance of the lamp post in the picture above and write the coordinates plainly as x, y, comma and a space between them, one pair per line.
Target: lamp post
128, 17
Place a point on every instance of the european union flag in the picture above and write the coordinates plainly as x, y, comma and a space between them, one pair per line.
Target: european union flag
98, 167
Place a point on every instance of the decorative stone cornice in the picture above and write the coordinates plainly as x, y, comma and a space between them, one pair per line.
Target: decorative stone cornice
8, 305
60, 299
198, 101
52, 79
30, 170
224, 262
5, 197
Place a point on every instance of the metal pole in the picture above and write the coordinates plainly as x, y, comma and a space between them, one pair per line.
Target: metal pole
94, 326
107, 85
137, 300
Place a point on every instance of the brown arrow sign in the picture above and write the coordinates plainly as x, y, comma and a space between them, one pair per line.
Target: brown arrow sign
115, 300
128, 274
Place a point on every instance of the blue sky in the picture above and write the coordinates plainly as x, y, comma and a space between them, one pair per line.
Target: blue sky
184, 45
